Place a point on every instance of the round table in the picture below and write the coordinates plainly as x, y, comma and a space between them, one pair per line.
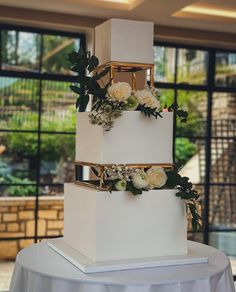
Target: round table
40, 269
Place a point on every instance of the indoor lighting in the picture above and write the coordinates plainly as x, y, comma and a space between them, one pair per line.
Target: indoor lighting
210, 11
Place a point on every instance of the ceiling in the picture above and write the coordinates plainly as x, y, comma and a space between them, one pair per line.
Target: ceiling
181, 13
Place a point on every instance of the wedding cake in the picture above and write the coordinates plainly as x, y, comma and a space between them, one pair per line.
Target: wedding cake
134, 210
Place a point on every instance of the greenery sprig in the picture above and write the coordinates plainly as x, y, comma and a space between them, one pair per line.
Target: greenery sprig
187, 193
180, 113
81, 63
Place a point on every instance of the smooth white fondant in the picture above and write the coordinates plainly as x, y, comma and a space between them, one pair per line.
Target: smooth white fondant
118, 226
118, 40
87, 266
133, 139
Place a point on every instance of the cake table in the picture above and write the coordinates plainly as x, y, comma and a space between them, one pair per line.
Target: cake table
39, 268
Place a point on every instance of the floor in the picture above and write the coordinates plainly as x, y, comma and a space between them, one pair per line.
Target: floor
6, 269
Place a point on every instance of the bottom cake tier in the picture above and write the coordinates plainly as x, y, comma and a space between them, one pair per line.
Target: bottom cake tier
107, 226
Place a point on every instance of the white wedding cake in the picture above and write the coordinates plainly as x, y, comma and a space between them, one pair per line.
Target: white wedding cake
118, 227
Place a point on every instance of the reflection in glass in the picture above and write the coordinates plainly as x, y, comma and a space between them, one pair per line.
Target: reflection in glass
222, 206
58, 152
190, 156
224, 114
225, 69
20, 50
224, 241
55, 53
192, 66
59, 113
164, 62
195, 102
18, 103
18, 162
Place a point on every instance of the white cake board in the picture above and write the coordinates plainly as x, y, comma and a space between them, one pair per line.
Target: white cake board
87, 266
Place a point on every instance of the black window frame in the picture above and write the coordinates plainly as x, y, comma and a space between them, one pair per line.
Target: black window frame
40, 77
210, 88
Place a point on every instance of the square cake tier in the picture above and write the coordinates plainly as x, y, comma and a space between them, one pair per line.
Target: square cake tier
107, 226
128, 46
134, 139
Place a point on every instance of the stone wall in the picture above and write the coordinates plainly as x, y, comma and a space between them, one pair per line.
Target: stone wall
17, 220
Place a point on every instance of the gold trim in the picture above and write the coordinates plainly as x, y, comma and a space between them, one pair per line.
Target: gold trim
126, 66
137, 165
102, 186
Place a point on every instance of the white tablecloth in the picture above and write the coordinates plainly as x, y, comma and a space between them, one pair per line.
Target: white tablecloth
40, 269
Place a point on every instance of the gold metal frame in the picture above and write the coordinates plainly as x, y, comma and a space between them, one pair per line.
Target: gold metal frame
102, 185
128, 67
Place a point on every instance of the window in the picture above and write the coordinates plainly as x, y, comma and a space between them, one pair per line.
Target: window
203, 80
37, 133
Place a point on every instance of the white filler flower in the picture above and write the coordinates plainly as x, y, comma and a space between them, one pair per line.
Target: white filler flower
119, 91
139, 180
147, 98
156, 177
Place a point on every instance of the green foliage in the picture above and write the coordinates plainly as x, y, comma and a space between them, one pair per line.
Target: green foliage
186, 193
184, 150
148, 112
80, 63
53, 147
23, 191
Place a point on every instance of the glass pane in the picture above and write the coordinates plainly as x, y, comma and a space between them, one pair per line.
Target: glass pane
55, 53
58, 153
225, 74
20, 51
18, 103
164, 62
190, 155
195, 236
18, 162
224, 114
195, 102
192, 66
222, 206
223, 158
224, 241
59, 113
167, 97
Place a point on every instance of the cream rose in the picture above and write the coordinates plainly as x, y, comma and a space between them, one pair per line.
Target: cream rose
119, 91
139, 180
146, 97
156, 177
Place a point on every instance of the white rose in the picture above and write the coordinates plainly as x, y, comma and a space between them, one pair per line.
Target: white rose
139, 180
156, 177
119, 91
121, 185
146, 97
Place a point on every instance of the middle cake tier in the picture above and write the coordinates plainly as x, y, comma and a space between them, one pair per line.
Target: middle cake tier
134, 139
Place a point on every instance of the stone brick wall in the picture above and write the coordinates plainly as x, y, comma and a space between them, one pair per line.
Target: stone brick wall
17, 220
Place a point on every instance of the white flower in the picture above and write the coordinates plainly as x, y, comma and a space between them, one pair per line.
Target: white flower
121, 185
156, 177
139, 180
119, 91
147, 98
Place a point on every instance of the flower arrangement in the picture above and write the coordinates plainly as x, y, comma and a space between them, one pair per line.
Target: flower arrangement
111, 99
137, 180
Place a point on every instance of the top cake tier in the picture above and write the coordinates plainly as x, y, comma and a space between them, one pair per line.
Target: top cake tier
134, 139
118, 40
